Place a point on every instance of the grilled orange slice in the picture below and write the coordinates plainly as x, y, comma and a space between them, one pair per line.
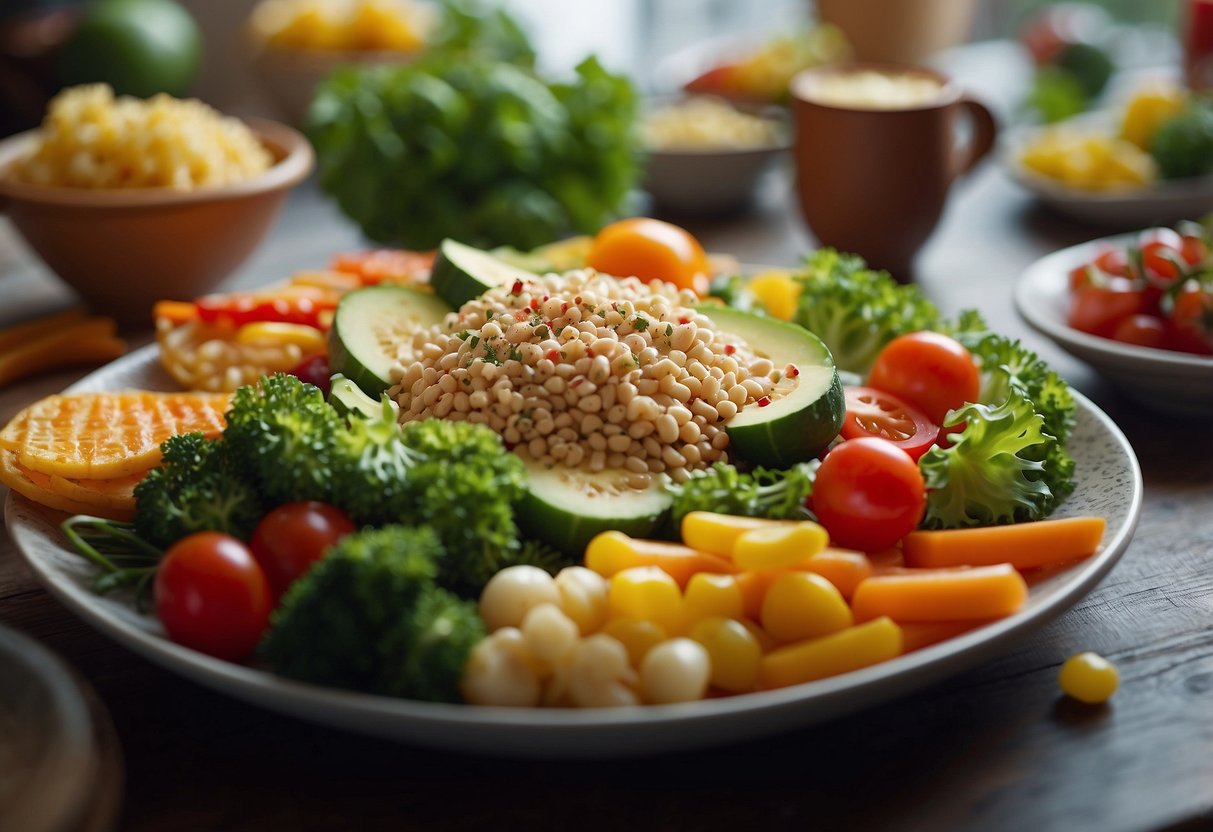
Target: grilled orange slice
38, 487
107, 435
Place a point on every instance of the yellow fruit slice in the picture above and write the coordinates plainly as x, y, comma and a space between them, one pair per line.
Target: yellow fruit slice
107, 435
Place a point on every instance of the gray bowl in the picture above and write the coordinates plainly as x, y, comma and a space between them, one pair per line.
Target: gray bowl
714, 181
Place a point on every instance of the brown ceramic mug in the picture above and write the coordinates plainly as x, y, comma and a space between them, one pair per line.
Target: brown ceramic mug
873, 172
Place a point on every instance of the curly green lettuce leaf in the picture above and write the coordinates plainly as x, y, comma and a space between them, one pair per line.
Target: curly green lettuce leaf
855, 310
762, 492
1001, 468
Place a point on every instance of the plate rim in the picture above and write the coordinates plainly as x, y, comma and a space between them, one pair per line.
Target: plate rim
548, 732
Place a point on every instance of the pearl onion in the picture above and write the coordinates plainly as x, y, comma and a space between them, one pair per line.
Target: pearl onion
513, 592
675, 671
499, 672
583, 597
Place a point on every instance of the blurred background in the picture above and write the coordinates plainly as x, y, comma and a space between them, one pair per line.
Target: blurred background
648, 39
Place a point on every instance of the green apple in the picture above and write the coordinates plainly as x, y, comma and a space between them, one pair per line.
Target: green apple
139, 47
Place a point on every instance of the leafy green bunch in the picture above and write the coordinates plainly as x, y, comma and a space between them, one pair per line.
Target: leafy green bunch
483, 151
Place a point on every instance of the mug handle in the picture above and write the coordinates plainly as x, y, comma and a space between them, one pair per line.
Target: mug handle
985, 131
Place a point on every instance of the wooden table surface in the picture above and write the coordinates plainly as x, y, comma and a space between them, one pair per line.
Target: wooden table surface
991, 749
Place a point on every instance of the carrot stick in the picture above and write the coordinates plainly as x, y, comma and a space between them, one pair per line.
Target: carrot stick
91, 340
1023, 545
941, 594
840, 652
612, 552
917, 635
844, 568
174, 311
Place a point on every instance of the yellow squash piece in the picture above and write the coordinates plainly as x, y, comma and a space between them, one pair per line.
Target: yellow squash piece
107, 435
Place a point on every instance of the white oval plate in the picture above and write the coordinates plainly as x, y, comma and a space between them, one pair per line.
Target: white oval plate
1161, 380
1109, 485
1162, 203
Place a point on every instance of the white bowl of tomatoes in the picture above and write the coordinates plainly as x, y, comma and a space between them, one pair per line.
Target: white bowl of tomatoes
1136, 307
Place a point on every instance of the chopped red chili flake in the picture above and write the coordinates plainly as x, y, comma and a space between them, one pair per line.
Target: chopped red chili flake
589, 352
729, 349
577, 300
564, 307
535, 304
520, 315
793, 370
553, 355
684, 319
517, 288
577, 381
764, 401
545, 298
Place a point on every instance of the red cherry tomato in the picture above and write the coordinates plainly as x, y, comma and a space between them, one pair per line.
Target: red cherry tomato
1163, 263
293, 536
1191, 320
315, 370
868, 494
1194, 250
212, 596
1114, 262
1098, 310
872, 412
1142, 331
930, 371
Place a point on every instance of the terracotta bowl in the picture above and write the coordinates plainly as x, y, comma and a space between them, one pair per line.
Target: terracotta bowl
123, 250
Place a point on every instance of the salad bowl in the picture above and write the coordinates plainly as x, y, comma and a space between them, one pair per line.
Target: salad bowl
1108, 485
1158, 379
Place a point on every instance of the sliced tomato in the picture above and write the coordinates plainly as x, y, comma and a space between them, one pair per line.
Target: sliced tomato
1114, 262
1194, 250
872, 412
1162, 261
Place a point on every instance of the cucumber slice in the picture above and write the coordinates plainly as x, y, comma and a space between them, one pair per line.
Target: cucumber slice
349, 401
566, 507
462, 273
797, 425
368, 327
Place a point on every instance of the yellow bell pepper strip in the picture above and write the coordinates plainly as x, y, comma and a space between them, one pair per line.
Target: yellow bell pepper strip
941, 594
717, 533
802, 605
1023, 545
841, 652
778, 547
612, 552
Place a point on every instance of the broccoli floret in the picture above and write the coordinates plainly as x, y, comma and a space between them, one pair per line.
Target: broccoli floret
281, 432
1002, 468
856, 310
762, 492
195, 488
466, 484
369, 616
373, 471
1183, 144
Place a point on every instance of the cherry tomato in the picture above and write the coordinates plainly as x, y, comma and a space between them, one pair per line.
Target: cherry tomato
869, 494
872, 412
1162, 261
211, 595
293, 536
315, 370
1194, 250
1191, 320
1142, 331
1098, 310
930, 371
651, 250
1114, 262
